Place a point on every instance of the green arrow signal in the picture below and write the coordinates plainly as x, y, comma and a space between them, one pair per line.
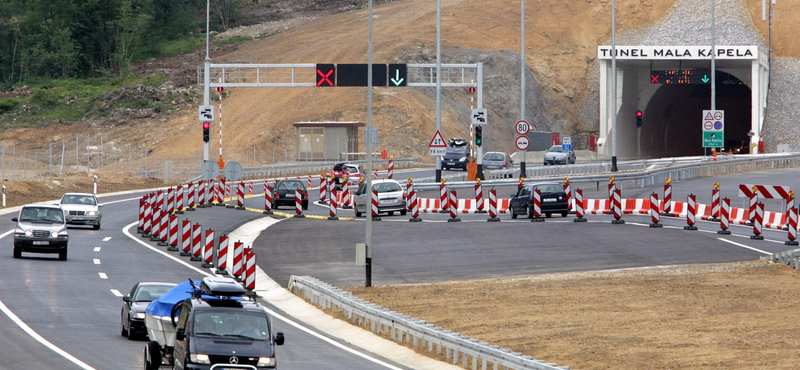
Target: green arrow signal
705, 79
397, 80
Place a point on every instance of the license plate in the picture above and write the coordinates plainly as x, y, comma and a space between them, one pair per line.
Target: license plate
549, 200
77, 218
388, 200
41, 242
451, 163
290, 195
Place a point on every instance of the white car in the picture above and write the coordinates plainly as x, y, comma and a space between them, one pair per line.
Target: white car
81, 209
391, 198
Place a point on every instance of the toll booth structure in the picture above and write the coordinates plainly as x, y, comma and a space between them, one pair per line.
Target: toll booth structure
326, 141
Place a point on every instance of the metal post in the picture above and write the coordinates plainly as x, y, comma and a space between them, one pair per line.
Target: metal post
50, 168
438, 83
523, 64
479, 172
713, 58
614, 86
63, 150
368, 140
207, 76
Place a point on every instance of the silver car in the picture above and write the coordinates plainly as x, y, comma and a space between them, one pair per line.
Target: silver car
497, 161
556, 155
40, 229
82, 209
391, 198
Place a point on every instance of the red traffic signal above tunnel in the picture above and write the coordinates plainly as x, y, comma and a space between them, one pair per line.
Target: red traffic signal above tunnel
326, 75
638, 118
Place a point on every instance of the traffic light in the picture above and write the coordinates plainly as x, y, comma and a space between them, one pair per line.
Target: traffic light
206, 135
638, 118
478, 135
326, 75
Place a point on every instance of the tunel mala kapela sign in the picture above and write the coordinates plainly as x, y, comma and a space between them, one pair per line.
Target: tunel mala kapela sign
678, 52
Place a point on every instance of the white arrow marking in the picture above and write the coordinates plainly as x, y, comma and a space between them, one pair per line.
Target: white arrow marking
397, 80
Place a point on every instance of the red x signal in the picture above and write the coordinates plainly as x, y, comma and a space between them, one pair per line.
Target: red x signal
654, 79
325, 74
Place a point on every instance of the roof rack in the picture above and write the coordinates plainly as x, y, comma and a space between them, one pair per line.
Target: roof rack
218, 287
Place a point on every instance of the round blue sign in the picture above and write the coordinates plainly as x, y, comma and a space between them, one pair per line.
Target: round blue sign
718, 125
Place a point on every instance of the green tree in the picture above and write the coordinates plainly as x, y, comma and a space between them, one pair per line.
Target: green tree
130, 27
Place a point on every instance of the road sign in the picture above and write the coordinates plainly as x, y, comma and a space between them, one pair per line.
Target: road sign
561, 123
713, 128
522, 127
437, 145
220, 89
206, 113
397, 75
479, 116
326, 75
566, 143
471, 90
522, 142
233, 171
209, 170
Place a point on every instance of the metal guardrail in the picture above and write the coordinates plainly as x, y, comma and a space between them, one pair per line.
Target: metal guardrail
405, 329
310, 168
649, 177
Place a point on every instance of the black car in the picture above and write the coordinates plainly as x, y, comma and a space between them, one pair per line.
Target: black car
553, 200
132, 314
284, 193
219, 326
456, 155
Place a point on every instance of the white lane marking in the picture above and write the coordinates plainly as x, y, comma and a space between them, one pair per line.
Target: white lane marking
97, 249
36, 335
116, 292
106, 238
743, 246
96, 261
102, 275
271, 312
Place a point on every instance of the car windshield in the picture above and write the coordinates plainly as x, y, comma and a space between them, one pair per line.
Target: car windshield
78, 199
456, 150
149, 293
290, 185
32, 214
244, 325
386, 187
494, 157
555, 148
351, 169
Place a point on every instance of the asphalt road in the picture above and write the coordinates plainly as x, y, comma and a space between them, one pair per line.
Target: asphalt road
75, 305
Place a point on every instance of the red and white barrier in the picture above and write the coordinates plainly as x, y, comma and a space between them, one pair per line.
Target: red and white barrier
173, 233
414, 206
611, 189
197, 242
374, 207
479, 197
453, 207
332, 208
753, 205
578, 206
179, 199
537, 205
792, 227
201, 193
667, 208
222, 255
140, 226
240, 196
250, 186
347, 200
323, 189
617, 208
267, 199
238, 256
766, 191
493, 206
691, 212
757, 222
568, 194
170, 200
443, 201
160, 199
208, 250
390, 173
250, 270
155, 230
724, 213
163, 235
298, 203
714, 205
186, 238
655, 216
190, 197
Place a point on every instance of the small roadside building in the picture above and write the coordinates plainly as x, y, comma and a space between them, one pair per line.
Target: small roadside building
324, 141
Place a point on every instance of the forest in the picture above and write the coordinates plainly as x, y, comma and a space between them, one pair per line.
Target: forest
60, 39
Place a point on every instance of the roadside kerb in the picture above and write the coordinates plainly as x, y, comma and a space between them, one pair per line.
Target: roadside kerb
403, 328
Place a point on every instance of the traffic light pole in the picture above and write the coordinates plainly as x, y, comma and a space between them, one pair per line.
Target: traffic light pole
207, 78
479, 173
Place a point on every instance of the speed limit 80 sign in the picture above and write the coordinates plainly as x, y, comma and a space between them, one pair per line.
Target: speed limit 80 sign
522, 127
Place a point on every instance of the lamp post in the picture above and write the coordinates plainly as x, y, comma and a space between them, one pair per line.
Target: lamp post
207, 76
368, 139
438, 80
613, 87
522, 83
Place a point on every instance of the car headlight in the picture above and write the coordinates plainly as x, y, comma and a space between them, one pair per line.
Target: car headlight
200, 358
54, 234
28, 232
139, 315
265, 361
91, 213
462, 159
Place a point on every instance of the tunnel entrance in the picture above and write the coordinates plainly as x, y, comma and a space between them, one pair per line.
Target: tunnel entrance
671, 123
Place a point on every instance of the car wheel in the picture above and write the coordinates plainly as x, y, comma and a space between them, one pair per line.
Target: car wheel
274, 205
131, 335
123, 332
155, 356
564, 214
544, 163
305, 206
529, 211
513, 214
358, 214
96, 227
17, 252
62, 255
391, 213
548, 214
403, 213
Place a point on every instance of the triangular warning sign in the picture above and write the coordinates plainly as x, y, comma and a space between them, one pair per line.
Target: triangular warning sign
709, 116
437, 141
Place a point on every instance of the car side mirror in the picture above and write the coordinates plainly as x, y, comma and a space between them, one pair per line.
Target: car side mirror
180, 334
14, 219
126, 299
100, 204
279, 338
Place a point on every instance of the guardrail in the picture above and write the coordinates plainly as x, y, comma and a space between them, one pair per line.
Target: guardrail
791, 257
649, 177
405, 329
312, 168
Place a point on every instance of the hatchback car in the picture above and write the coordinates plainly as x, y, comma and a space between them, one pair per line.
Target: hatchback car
132, 314
285, 192
456, 155
353, 170
391, 198
557, 155
81, 209
497, 161
553, 200
41, 229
